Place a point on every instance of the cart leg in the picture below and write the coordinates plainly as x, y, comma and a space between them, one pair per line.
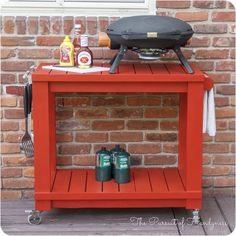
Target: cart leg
196, 216
34, 217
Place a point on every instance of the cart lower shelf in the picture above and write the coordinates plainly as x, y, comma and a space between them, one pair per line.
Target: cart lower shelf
149, 187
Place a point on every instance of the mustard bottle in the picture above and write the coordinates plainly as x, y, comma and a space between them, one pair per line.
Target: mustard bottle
67, 52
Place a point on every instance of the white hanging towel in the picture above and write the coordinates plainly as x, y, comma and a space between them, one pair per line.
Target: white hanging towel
209, 120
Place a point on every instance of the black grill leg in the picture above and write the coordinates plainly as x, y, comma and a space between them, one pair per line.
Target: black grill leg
116, 60
183, 60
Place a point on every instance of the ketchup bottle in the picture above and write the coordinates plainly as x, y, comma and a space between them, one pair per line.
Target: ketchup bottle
84, 56
76, 40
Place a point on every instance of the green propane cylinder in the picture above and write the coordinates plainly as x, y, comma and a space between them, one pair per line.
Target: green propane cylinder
103, 165
114, 151
122, 167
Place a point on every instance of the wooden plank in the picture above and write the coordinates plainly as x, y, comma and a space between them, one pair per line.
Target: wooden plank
93, 186
126, 69
159, 69
173, 180
227, 207
142, 69
78, 181
213, 221
110, 186
62, 181
175, 68
128, 187
157, 180
141, 180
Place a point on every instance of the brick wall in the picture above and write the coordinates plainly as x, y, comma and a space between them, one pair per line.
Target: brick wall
137, 121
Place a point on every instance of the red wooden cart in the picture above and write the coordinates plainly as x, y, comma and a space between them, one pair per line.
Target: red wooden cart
149, 187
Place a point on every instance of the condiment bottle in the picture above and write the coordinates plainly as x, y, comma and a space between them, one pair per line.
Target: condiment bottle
84, 56
67, 52
103, 165
76, 40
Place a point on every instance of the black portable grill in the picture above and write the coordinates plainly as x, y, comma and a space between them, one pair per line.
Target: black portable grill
149, 36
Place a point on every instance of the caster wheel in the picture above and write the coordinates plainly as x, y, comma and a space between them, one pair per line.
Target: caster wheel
34, 219
196, 217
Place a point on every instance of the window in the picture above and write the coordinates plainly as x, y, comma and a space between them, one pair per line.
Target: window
79, 7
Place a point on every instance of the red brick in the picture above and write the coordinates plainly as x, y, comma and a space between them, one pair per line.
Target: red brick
160, 112
8, 101
136, 160
205, 65
159, 160
225, 137
32, 24
221, 101
221, 125
81, 20
109, 146
14, 113
108, 125
144, 101
56, 24
215, 148
210, 28
223, 42
64, 160
223, 159
224, 182
8, 24
18, 183
207, 138
161, 137
232, 124
103, 23
177, 4
170, 100
17, 161
91, 137
225, 65
108, 101
212, 54
209, 4
192, 16
215, 170
28, 171
92, 25
232, 29
169, 125
207, 182
64, 137
220, 77
13, 137
142, 125
144, 148
17, 41
170, 148
92, 113
68, 24
10, 194
9, 126
15, 90
10, 148
16, 65
232, 148
7, 53
226, 89
49, 40
93, 42
73, 125
199, 41
64, 114
84, 160
126, 113
44, 25
21, 24
223, 16
74, 149
75, 101
36, 53
11, 172
126, 136
206, 159
232, 53
8, 78
28, 194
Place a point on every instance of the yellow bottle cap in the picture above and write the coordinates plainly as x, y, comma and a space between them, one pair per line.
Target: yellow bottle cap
67, 38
